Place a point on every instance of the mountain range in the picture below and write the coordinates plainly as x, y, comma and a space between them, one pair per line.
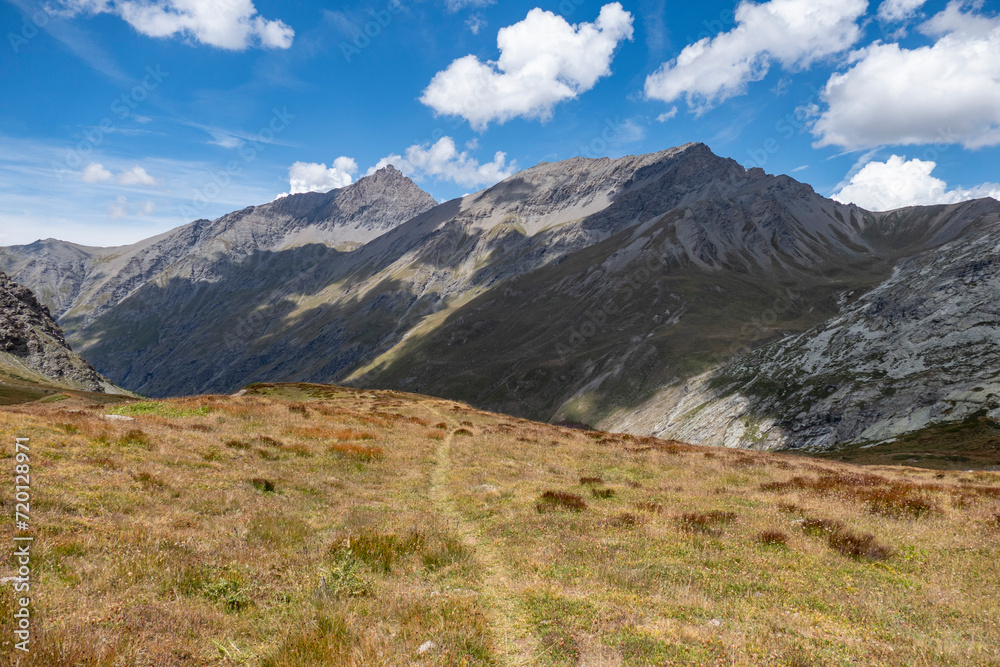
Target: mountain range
675, 294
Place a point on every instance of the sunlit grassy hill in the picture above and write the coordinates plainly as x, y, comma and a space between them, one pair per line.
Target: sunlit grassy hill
316, 525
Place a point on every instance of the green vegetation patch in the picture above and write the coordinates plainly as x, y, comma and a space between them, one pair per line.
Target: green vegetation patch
158, 409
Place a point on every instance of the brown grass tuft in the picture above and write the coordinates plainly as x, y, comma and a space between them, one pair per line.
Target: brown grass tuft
624, 520
556, 500
262, 485
704, 522
881, 495
655, 508
591, 480
136, 438
298, 449
858, 546
845, 542
772, 538
359, 452
818, 527
603, 494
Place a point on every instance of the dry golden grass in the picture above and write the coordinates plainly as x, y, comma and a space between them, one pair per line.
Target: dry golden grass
261, 530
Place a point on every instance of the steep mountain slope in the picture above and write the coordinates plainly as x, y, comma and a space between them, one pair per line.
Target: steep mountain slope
312, 313
920, 349
661, 302
81, 283
34, 355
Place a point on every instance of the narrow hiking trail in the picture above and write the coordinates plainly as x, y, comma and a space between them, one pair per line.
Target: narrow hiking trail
512, 635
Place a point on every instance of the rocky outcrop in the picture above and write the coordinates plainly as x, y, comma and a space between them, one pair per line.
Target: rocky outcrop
29, 337
921, 348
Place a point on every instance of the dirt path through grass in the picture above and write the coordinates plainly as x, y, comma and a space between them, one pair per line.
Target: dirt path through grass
512, 635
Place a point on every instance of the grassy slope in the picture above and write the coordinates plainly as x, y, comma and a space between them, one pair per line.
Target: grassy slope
970, 444
395, 520
21, 385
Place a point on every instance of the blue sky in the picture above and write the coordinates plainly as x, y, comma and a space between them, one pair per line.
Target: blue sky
123, 119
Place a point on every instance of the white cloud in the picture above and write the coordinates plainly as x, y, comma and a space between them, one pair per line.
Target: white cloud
316, 177
543, 61
95, 173
136, 176
670, 114
119, 209
954, 20
899, 10
475, 23
443, 160
945, 93
456, 5
793, 33
225, 24
897, 182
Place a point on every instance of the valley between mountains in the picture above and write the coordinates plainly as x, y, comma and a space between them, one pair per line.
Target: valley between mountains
674, 294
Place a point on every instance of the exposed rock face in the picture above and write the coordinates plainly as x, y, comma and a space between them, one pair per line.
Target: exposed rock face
923, 347
30, 337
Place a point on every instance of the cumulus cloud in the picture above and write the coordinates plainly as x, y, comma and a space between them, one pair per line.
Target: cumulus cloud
899, 10
316, 177
897, 182
96, 173
543, 61
443, 160
793, 33
945, 93
136, 176
225, 24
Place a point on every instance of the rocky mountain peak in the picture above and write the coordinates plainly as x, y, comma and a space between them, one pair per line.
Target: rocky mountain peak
31, 337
